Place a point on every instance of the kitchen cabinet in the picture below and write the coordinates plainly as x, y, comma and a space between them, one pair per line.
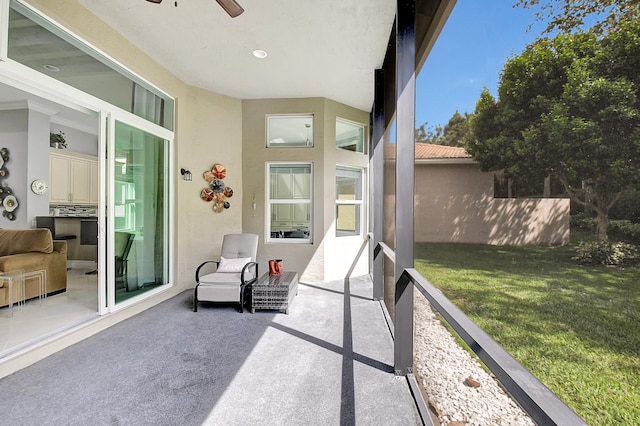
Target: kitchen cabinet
73, 178
93, 180
290, 184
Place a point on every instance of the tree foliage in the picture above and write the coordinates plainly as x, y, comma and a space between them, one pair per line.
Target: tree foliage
568, 107
428, 134
566, 16
456, 132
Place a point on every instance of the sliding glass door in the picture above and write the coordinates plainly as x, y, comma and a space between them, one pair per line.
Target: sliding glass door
140, 208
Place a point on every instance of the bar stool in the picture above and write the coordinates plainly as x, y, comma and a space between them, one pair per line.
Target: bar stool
50, 223
89, 237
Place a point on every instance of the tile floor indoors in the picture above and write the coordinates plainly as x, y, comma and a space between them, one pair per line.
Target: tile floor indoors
38, 319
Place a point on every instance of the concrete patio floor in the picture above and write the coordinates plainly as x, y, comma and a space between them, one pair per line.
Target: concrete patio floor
328, 362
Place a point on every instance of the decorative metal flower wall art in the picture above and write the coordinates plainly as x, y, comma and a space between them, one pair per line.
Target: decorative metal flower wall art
7, 200
216, 191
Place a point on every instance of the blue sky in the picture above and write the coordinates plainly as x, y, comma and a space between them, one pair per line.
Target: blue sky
469, 55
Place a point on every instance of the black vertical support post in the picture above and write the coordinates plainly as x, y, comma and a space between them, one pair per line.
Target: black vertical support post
376, 189
405, 160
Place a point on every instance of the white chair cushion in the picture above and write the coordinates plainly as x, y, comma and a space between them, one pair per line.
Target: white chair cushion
219, 292
221, 286
232, 278
232, 265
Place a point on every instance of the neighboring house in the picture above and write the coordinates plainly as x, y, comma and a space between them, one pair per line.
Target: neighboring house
455, 202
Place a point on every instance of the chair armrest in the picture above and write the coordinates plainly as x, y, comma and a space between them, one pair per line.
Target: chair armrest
217, 262
245, 268
60, 246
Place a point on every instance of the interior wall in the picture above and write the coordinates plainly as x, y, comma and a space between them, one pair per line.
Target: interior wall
37, 157
207, 130
13, 136
80, 141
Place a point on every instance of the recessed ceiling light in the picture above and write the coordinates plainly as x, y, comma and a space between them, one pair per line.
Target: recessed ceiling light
51, 68
260, 54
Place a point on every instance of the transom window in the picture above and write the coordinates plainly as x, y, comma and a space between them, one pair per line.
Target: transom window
349, 135
37, 43
290, 131
289, 202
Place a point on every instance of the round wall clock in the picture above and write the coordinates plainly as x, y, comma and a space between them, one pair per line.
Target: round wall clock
39, 186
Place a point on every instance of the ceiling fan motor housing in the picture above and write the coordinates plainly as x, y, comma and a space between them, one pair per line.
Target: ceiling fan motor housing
230, 6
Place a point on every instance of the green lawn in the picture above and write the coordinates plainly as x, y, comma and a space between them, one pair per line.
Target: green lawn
577, 328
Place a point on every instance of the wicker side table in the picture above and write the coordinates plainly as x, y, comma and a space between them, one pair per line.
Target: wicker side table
274, 292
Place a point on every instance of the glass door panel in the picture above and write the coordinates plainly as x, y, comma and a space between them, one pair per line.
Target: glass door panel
141, 213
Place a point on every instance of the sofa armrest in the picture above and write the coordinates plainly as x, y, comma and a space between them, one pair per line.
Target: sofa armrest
60, 246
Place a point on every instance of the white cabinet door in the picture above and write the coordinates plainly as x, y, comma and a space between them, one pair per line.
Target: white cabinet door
301, 185
283, 212
80, 181
93, 181
283, 186
72, 178
59, 177
301, 213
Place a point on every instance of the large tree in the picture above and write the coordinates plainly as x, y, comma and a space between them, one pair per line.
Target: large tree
456, 132
569, 108
428, 134
570, 15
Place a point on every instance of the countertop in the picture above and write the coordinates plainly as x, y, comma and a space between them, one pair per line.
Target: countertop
74, 217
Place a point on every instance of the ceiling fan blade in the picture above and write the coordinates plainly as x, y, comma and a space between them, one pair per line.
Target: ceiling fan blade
231, 7
155, 1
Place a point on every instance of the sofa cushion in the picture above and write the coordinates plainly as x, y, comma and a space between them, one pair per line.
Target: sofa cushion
15, 241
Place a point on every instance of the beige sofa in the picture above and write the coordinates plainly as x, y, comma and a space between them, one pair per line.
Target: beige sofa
32, 250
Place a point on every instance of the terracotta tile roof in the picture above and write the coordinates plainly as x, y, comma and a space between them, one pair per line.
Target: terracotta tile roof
428, 151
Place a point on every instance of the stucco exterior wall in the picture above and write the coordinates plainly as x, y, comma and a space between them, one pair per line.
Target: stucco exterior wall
323, 259
454, 203
340, 252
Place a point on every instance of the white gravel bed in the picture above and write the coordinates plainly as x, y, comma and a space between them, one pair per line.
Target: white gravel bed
457, 387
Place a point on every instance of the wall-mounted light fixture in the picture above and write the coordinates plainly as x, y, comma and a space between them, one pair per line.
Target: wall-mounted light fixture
186, 174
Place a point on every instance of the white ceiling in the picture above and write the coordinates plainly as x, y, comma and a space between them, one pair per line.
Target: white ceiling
316, 48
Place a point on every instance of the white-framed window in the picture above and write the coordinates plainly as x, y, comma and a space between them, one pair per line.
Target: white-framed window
350, 136
284, 131
349, 201
289, 202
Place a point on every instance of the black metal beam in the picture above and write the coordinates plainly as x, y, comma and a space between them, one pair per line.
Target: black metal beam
405, 160
376, 189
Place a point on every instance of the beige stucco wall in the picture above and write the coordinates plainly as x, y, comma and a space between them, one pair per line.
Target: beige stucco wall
208, 130
341, 252
324, 259
454, 203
